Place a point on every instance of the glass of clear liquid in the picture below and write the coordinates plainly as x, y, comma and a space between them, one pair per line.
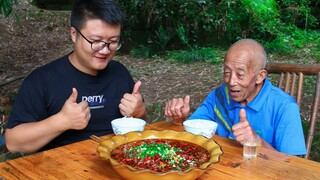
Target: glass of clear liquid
250, 146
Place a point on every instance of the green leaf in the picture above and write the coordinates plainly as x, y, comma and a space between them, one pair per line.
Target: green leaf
6, 7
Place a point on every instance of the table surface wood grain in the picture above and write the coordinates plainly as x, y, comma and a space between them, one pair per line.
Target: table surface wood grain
81, 161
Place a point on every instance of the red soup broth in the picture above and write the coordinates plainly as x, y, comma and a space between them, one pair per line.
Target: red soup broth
161, 155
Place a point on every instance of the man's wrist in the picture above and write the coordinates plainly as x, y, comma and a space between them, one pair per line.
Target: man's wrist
178, 121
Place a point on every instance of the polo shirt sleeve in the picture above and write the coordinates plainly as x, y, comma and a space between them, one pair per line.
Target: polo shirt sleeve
205, 110
289, 137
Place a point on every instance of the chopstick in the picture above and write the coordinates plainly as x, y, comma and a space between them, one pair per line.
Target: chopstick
96, 138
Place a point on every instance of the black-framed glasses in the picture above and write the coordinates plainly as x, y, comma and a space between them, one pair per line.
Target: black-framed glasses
99, 45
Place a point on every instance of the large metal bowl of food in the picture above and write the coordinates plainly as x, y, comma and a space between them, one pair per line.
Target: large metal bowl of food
160, 154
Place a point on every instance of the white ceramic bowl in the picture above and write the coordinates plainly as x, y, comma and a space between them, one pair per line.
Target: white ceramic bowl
127, 124
202, 127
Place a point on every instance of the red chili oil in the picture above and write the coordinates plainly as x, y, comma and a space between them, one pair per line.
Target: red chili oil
161, 155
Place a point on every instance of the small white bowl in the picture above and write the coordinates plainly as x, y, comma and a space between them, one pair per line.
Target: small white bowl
127, 124
202, 127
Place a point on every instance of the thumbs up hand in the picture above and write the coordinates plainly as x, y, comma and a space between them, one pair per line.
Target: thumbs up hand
243, 128
178, 109
132, 104
74, 115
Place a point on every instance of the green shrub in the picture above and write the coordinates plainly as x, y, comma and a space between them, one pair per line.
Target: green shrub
284, 26
141, 51
6, 6
196, 55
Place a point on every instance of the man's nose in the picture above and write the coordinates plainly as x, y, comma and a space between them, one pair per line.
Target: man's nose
233, 80
105, 50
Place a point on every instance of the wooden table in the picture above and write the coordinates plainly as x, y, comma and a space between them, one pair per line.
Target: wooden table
80, 161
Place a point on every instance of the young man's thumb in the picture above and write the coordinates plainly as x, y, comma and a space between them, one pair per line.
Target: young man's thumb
73, 96
136, 87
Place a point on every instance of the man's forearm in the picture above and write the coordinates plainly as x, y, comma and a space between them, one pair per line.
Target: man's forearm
30, 137
266, 145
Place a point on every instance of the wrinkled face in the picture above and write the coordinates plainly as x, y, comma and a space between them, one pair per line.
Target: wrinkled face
84, 58
241, 76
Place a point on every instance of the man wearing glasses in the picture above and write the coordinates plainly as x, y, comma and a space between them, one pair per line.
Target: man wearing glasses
77, 95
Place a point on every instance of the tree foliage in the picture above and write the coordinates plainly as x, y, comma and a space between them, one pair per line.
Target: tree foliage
210, 22
282, 25
6, 6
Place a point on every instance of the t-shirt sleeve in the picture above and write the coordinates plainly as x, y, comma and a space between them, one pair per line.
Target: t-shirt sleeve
29, 104
289, 137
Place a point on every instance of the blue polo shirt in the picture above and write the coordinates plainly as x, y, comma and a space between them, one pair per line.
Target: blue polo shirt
273, 114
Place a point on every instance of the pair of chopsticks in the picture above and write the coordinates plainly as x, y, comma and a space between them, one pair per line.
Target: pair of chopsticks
96, 138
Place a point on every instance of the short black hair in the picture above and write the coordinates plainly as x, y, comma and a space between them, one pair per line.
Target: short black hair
106, 10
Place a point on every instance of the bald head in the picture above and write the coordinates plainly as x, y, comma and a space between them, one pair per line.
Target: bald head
250, 48
244, 71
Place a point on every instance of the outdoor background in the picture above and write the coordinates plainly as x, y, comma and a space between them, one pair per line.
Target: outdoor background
175, 47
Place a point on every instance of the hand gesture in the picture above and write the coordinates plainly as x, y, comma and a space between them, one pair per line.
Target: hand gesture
178, 109
75, 116
132, 104
243, 128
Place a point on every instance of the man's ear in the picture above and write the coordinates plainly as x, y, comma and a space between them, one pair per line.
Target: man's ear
73, 34
261, 76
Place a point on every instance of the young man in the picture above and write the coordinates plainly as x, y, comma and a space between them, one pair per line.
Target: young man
77, 95
247, 104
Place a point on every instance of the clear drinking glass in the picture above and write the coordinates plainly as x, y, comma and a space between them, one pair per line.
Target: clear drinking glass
250, 146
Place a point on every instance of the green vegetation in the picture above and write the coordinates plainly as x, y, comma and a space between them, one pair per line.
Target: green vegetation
154, 112
196, 55
6, 6
283, 27
315, 149
142, 51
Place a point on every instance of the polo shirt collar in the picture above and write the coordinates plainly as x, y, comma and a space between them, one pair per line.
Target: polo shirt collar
257, 103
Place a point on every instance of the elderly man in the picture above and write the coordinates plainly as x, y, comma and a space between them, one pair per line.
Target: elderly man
247, 104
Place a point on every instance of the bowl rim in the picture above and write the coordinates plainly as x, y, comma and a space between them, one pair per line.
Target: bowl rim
104, 149
185, 124
140, 122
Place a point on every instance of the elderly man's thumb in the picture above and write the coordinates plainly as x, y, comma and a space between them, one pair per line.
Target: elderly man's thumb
243, 116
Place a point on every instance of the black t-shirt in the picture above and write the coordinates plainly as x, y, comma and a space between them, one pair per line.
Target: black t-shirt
45, 90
